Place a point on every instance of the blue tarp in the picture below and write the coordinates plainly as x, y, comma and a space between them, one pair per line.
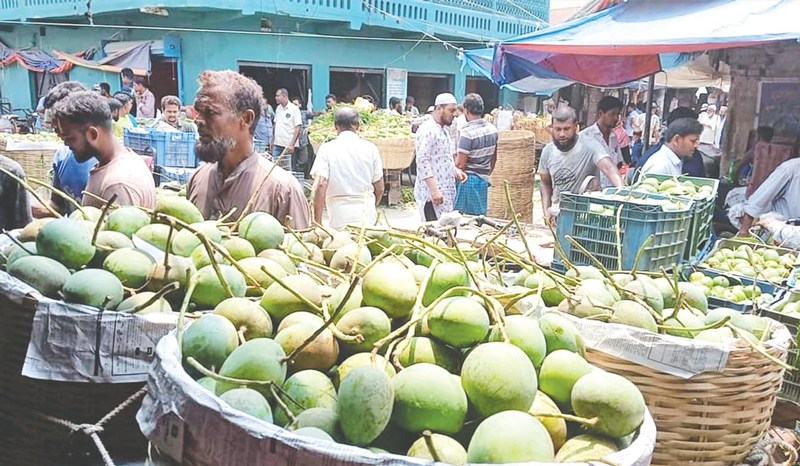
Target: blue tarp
626, 42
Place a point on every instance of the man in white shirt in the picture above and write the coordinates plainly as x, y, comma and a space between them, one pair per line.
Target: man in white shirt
723, 118
349, 175
710, 121
608, 110
288, 125
630, 119
682, 138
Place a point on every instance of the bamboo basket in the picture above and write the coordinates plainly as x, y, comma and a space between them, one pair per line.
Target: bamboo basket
396, 154
710, 419
26, 438
516, 163
36, 163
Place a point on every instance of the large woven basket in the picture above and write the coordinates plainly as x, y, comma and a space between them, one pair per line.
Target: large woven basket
516, 163
36, 163
28, 439
396, 154
710, 419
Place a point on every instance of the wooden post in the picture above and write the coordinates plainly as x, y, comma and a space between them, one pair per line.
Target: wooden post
651, 90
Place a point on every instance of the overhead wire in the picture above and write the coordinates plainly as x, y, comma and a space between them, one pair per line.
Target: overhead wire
235, 32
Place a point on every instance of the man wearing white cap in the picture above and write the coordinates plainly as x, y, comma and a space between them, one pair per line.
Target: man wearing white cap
435, 187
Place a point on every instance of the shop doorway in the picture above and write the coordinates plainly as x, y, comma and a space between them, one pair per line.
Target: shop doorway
164, 78
348, 83
486, 89
425, 87
273, 76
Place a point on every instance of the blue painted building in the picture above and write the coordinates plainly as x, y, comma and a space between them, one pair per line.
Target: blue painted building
311, 47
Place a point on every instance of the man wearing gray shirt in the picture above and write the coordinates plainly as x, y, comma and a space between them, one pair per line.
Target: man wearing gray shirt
569, 161
780, 194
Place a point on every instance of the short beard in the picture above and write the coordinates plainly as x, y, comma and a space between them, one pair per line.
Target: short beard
568, 146
215, 150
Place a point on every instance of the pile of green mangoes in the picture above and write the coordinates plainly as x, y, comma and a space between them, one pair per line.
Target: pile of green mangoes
667, 205
642, 301
674, 187
44, 136
371, 338
722, 288
761, 262
789, 304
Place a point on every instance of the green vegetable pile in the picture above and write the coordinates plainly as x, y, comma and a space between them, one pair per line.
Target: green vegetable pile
375, 124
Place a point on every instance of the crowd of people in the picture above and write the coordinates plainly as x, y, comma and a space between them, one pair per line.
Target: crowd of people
455, 150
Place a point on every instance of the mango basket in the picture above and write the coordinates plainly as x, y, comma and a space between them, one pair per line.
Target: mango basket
396, 154
36, 163
712, 418
190, 425
790, 390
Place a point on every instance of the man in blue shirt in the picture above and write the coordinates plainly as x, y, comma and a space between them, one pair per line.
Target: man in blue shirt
69, 175
691, 167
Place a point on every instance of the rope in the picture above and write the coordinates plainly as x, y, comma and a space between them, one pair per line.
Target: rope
94, 430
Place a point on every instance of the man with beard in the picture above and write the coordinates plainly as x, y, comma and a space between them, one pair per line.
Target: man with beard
435, 186
571, 163
228, 106
84, 122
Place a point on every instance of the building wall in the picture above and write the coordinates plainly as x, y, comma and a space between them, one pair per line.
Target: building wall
749, 65
205, 50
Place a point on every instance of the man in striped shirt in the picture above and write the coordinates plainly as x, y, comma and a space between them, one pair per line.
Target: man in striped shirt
476, 156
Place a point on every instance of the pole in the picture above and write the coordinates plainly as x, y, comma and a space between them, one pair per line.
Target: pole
651, 88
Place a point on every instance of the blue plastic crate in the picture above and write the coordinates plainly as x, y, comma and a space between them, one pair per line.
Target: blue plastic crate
639, 220
138, 141
174, 149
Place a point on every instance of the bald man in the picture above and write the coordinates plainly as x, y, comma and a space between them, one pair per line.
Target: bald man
349, 175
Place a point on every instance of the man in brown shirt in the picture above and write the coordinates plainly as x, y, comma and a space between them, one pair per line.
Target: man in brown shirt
228, 106
84, 122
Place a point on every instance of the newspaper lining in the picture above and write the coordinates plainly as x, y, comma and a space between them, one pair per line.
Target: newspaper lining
191, 425
676, 356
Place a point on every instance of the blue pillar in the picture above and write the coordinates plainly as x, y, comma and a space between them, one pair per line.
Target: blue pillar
320, 84
460, 85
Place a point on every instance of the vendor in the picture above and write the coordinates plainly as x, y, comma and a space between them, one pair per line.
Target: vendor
69, 175
84, 122
691, 167
608, 110
784, 233
681, 142
571, 163
171, 116
778, 194
228, 106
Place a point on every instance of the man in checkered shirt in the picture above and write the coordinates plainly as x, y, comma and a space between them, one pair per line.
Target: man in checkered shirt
476, 156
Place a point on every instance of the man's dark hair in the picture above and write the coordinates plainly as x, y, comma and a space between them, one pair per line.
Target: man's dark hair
410, 100
630, 106
114, 105
240, 92
346, 118
85, 108
298, 99
61, 91
394, 102
683, 127
127, 72
765, 133
140, 80
331, 96
609, 103
565, 115
123, 97
170, 100
283, 91
106, 87
681, 112
641, 106
473, 103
